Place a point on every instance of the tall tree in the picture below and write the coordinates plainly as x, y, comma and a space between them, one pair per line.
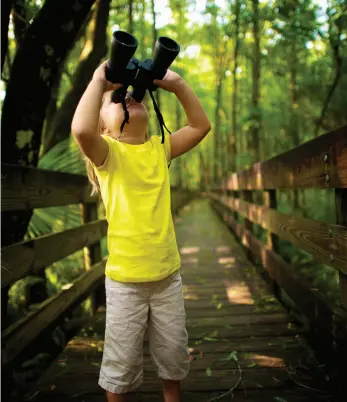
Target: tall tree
254, 134
95, 49
130, 17
6, 6
293, 123
82, 38
219, 40
337, 22
179, 173
143, 44
179, 20
20, 21
296, 29
233, 138
154, 39
44, 47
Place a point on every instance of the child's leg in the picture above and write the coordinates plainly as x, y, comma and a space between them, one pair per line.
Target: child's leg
126, 320
172, 391
168, 338
116, 398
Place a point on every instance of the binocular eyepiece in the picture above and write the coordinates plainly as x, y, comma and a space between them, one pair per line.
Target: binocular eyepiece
124, 69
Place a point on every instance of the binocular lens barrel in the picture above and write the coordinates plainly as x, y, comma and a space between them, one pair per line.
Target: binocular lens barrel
123, 47
122, 68
165, 52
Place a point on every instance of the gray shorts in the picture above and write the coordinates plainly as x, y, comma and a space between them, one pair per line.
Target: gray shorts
131, 309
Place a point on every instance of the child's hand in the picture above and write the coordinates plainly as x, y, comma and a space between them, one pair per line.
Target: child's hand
100, 74
171, 81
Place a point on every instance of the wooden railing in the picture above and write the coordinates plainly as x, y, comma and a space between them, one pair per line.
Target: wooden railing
29, 188
320, 163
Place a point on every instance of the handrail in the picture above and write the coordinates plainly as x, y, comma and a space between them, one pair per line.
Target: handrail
319, 163
19, 335
28, 188
32, 256
326, 242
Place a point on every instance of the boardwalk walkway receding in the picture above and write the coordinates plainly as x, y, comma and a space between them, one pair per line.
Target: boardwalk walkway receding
241, 337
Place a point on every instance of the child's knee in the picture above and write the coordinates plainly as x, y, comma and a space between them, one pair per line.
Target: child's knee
171, 360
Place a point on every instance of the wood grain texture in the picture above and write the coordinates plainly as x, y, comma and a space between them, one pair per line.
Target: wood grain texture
93, 254
267, 345
321, 313
33, 256
291, 393
319, 163
19, 335
327, 243
26, 188
341, 219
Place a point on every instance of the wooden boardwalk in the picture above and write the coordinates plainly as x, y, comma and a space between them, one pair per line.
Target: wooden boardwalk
241, 338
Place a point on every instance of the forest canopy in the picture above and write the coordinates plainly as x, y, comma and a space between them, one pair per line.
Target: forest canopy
270, 75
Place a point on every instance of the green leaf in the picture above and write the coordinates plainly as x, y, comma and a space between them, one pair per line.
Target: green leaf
279, 399
231, 356
210, 339
68, 27
208, 372
23, 138
49, 50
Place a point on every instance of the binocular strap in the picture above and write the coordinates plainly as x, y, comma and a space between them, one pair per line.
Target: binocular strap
126, 113
160, 119
157, 111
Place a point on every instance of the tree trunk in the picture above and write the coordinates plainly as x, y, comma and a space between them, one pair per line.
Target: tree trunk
19, 22
179, 181
256, 118
337, 59
154, 39
60, 127
142, 49
130, 17
52, 105
204, 171
217, 139
44, 47
233, 138
6, 6
294, 127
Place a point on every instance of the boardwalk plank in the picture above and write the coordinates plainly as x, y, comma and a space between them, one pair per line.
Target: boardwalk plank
229, 309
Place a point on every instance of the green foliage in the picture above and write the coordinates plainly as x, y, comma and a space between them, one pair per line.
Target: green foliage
297, 67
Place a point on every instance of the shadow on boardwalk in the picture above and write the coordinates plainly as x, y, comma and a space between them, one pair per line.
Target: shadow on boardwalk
242, 341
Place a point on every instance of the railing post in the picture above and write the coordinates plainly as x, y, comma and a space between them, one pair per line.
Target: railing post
247, 195
4, 306
340, 347
37, 292
92, 253
341, 219
270, 201
235, 194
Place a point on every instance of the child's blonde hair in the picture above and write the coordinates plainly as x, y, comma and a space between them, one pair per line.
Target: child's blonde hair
102, 129
89, 167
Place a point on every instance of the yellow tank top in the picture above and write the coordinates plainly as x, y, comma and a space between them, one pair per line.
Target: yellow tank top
135, 188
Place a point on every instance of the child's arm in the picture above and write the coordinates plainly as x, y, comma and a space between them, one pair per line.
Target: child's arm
198, 126
85, 122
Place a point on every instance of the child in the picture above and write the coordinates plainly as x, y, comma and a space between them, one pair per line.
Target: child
143, 282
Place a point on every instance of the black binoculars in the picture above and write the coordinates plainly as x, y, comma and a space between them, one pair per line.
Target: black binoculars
122, 68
